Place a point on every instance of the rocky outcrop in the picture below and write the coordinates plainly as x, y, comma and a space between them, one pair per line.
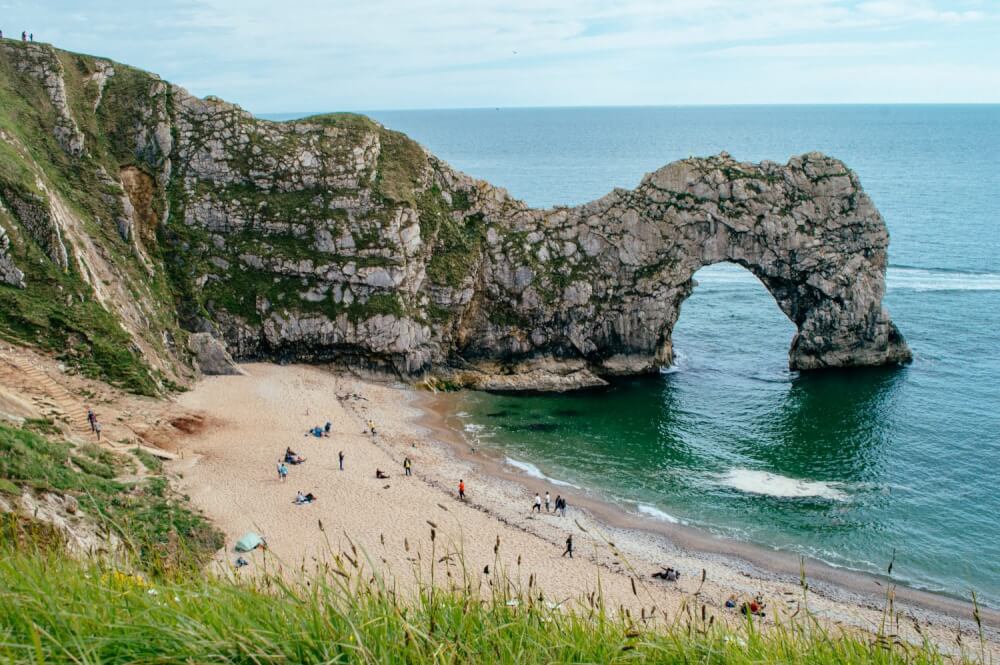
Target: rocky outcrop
335, 239
211, 356
9, 273
41, 62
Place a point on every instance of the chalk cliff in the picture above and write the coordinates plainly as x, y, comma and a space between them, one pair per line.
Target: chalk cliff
156, 214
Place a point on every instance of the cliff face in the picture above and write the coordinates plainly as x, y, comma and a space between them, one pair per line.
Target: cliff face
334, 239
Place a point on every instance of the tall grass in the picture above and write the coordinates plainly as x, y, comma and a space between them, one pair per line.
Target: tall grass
54, 609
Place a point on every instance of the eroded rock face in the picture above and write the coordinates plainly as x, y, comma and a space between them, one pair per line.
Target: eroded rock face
335, 239
10, 274
211, 355
312, 253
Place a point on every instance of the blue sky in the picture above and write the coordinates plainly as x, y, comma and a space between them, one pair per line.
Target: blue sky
319, 55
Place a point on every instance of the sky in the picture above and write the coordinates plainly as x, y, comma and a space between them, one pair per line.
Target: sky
329, 55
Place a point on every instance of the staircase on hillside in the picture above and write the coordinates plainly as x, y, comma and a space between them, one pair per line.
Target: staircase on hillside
51, 398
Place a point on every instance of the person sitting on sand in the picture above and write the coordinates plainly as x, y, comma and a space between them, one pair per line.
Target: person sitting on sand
292, 457
668, 574
381, 475
326, 428
731, 601
755, 607
302, 499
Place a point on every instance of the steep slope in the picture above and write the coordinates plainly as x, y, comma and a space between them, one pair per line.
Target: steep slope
153, 214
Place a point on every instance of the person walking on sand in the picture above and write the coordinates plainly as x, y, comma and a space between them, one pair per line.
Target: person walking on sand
282, 471
548, 500
340, 458
569, 546
91, 418
407, 466
561, 506
537, 507
461, 490
371, 427
97, 429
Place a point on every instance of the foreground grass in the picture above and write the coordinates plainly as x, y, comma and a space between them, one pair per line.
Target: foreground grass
57, 610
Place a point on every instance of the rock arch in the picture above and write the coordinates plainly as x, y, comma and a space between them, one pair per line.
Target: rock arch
602, 284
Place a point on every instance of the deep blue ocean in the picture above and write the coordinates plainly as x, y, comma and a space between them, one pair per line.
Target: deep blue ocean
854, 468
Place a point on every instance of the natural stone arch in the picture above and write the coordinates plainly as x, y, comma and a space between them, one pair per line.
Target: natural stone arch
805, 229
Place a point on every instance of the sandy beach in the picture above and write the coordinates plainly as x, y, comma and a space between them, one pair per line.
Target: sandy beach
242, 425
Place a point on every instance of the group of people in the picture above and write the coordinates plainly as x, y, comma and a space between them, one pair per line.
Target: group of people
753, 607
25, 36
560, 504
95, 424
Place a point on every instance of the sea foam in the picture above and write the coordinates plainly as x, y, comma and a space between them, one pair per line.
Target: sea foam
771, 484
921, 279
656, 513
530, 469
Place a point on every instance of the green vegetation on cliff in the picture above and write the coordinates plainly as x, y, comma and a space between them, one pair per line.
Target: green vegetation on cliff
156, 527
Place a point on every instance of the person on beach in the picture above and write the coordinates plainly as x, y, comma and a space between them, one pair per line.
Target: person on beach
326, 428
371, 427
340, 458
407, 466
569, 546
548, 499
537, 507
24, 35
282, 471
380, 474
91, 418
562, 508
461, 490
97, 429
291, 457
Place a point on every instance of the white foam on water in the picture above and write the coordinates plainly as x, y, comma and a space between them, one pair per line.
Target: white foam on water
463, 414
921, 279
771, 484
530, 469
656, 513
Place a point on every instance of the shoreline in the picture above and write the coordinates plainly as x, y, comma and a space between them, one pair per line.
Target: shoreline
842, 584
227, 469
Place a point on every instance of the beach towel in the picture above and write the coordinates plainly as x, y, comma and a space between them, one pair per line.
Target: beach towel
249, 542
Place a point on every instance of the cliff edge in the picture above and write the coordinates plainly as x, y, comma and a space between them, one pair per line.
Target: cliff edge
133, 214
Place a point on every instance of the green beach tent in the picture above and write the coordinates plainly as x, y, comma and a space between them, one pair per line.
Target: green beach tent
249, 542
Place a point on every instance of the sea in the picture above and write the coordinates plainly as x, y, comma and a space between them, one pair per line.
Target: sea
858, 468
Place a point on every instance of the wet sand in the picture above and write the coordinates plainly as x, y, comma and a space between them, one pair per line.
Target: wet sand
229, 471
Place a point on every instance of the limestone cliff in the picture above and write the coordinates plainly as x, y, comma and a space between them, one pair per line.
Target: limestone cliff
335, 239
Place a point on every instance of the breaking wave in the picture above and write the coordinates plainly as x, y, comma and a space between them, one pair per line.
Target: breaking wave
771, 484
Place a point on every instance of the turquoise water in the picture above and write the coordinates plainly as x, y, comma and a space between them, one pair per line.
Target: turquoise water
848, 466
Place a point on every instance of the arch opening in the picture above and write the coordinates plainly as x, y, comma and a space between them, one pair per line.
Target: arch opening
729, 319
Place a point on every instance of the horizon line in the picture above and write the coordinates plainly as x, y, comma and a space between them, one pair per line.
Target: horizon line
305, 114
